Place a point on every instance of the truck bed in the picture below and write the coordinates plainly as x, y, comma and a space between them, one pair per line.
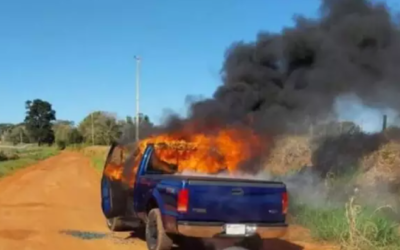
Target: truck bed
229, 200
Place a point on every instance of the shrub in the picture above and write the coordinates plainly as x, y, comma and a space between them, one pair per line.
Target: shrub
7, 156
61, 144
3, 156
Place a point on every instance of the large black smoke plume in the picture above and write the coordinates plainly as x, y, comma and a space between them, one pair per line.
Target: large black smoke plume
282, 81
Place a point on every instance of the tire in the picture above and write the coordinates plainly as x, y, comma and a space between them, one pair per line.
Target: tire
188, 242
156, 238
251, 243
117, 225
113, 198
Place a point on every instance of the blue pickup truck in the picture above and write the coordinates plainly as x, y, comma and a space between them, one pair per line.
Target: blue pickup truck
171, 206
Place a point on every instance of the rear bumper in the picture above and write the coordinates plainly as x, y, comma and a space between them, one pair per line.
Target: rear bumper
216, 230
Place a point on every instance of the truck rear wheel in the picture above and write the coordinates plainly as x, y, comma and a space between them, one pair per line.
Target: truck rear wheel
156, 238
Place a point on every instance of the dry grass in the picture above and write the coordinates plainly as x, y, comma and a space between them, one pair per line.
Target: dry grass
289, 153
374, 233
8, 154
98, 151
97, 154
352, 226
382, 165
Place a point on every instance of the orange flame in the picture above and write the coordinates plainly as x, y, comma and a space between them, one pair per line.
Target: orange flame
222, 150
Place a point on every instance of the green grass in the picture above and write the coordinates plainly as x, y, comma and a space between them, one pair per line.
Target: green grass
21, 158
98, 163
372, 229
97, 158
347, 223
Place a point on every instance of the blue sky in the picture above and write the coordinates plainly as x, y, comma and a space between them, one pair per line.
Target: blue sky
79, 54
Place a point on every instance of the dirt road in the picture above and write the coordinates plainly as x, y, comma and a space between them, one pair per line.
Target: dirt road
55, 204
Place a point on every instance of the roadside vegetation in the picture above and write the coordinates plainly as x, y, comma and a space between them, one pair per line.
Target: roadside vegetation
14, 159
354, 202
352, 224
97, 154
42, 128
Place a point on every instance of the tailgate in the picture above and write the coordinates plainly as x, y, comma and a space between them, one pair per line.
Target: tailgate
236, 201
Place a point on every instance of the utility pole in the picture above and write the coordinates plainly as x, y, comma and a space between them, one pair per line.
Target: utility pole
138, 59
384, 123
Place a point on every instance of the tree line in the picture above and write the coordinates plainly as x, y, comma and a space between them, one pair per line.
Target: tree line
41, 126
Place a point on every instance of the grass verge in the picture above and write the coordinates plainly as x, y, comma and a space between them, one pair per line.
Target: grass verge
97, 154
98, 163
25, 157
352, 226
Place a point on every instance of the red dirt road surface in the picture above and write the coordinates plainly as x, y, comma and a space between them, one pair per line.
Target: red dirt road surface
55, 204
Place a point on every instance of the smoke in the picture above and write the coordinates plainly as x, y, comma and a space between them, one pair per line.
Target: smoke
342, 66
285, 80
350, 107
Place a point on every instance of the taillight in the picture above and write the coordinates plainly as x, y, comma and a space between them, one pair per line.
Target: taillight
183, 200
285, 203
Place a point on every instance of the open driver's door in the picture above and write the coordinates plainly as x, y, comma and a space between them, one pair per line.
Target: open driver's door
113, 199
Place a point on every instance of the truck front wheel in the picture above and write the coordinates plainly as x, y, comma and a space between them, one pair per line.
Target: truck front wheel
156, 238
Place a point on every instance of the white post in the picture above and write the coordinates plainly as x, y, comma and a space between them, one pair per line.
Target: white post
137, 96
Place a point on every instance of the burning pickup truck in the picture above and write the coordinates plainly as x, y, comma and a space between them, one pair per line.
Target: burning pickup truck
140, 189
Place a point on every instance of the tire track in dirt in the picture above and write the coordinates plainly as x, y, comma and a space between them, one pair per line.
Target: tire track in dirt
55, 204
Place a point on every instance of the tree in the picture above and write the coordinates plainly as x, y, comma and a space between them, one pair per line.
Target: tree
75, 137
66, 133
145, 125
38, 121
62, 130
100, 128
143, 119
129, 120
5, 128
17, 134
128, 128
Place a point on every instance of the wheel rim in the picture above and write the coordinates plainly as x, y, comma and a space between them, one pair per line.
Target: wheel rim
152, 234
